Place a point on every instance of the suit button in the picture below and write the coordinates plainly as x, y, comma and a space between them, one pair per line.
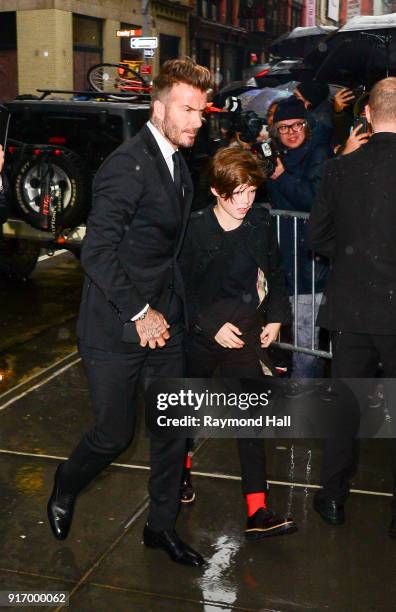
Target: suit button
170, 286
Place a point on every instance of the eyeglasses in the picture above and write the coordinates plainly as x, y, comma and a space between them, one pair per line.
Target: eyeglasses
294, 127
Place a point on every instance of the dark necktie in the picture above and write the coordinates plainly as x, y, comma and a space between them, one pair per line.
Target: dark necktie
177, 177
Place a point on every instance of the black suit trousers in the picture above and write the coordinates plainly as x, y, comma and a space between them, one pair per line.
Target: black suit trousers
112, 380
203, 357
355, 356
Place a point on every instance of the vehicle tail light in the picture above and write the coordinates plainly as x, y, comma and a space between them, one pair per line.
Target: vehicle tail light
262, 73
60, 140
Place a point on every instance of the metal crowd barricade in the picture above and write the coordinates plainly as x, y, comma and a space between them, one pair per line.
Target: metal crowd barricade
294, 345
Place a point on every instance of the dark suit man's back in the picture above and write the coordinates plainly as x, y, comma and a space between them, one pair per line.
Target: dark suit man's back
354, 223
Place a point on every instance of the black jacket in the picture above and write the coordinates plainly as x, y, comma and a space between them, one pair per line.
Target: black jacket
204, 247
134, 234
353, 222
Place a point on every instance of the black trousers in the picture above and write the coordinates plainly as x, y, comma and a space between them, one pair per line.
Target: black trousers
112, 380
355, 356
203, 358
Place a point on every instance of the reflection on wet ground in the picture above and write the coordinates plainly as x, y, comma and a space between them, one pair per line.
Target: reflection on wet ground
38, 319
104, 565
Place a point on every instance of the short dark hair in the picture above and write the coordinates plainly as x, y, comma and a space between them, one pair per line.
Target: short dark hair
180, 71
231, 167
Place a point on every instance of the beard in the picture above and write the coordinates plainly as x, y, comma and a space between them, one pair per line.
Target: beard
177, 136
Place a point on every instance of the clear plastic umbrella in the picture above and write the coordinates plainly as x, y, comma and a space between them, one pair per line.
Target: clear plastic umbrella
263, 98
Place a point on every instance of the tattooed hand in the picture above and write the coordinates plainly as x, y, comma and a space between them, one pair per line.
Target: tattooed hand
153, 329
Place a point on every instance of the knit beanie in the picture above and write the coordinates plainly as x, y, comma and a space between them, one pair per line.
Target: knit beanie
291, 108
314, 92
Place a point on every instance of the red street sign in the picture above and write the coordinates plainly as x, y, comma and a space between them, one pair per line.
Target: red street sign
145, 69
128, 33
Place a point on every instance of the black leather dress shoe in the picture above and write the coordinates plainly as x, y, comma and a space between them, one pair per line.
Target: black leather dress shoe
170, 542
329, 510
392, 528
265, 523
60, 508
187, 493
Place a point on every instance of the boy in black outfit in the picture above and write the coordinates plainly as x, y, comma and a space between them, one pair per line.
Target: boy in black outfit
237, 301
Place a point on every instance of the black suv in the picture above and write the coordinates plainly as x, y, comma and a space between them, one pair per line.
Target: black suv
77, 136
55, 146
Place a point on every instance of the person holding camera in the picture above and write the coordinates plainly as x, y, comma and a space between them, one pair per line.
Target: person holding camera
293, 186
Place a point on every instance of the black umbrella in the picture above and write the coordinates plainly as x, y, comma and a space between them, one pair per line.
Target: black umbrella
300, 41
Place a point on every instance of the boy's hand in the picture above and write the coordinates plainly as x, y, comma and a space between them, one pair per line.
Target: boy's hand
227, 337
269, 334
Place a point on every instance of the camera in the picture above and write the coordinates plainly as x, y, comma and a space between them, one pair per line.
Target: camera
246, 123
267, 154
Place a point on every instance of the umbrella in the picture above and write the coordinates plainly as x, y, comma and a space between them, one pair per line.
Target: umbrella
233, 89
359, 54
261, 102
300, 41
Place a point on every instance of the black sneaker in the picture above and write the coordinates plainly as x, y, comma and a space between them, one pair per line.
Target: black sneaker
187, 493
265, 523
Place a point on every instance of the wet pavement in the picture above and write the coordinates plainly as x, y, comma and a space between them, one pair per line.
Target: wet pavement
103, 563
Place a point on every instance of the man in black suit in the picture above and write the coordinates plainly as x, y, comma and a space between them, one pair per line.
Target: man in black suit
131, 314
353, 222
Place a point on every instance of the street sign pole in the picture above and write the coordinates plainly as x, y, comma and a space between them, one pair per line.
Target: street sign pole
146, 22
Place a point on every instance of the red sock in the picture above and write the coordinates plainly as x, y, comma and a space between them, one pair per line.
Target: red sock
254, 502
188, 462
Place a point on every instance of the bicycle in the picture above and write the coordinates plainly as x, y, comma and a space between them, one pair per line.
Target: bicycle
119, 80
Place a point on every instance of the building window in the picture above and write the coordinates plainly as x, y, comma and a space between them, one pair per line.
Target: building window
87, 33
87, 48
131, 55
169, 47
8, 56
207, 9
296, 17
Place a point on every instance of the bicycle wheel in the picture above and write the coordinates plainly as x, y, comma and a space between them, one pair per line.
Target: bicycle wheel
118, 80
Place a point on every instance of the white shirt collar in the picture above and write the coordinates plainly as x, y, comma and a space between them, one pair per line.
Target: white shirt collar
165, 146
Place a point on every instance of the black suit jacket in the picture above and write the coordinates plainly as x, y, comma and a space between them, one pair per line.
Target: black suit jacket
354, 223
134, 234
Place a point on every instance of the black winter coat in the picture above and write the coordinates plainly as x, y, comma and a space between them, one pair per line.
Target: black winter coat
353, 222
